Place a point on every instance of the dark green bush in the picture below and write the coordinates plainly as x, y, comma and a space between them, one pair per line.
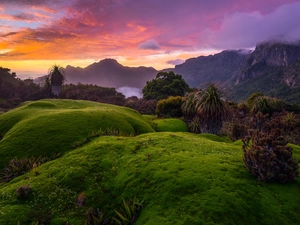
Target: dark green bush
269, 158
170, 107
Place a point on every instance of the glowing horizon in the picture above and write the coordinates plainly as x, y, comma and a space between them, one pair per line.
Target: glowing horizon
35, 35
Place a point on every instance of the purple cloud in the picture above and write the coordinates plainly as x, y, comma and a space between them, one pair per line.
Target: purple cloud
150, 44
244, 30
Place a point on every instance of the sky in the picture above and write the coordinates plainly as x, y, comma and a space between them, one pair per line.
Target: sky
36, 34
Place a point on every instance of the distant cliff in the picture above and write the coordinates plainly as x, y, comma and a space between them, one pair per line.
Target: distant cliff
268, 55
273, 69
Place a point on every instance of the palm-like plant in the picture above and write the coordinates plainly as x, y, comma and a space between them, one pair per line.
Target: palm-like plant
57, 78
189, 106
210, 109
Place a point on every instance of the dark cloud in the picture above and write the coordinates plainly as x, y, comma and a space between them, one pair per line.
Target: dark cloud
24, 16
176, 62
9, 34
10, 55
150, 44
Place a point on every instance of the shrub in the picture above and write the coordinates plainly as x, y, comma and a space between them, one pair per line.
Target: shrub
269, 158
237, 131
170, 107
23, 192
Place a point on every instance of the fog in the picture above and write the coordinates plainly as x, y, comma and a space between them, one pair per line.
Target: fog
130, 91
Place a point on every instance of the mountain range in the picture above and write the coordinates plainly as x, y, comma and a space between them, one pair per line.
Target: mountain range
272, 68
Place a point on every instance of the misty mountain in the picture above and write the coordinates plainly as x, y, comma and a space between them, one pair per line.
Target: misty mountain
268, 55
272, 68
109, 73
220, 67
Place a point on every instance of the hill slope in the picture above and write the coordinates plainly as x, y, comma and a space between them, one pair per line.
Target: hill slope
182, 178
51, 126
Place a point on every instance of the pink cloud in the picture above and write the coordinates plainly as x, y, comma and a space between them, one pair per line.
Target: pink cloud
94, 29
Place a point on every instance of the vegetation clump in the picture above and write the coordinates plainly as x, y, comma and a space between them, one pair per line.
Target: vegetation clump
269, 158
207, 105
170, 107
17, 167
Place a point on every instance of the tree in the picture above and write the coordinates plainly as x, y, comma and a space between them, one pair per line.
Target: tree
56, 76
164, 85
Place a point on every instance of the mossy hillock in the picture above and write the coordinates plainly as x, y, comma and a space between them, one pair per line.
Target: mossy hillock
53, 126
181, 178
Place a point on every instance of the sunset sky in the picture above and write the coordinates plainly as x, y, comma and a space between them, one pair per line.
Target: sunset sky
35, 34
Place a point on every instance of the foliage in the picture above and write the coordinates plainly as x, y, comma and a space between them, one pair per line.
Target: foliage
266, 105
92, 93
194, 125
170, 107
189, 105
17, 167
269, 158
237, 131
208, 107
95, 217
143, 106
129, 213
23, 191
164, 85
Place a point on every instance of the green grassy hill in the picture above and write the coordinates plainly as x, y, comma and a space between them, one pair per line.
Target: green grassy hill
48, 126
181, 178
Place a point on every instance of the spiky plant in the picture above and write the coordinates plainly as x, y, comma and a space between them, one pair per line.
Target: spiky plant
210, 109
57, 78
188, 107
267, 105
129, 213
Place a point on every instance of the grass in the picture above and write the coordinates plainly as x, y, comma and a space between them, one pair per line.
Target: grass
48, 126
171, 124
181, 178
